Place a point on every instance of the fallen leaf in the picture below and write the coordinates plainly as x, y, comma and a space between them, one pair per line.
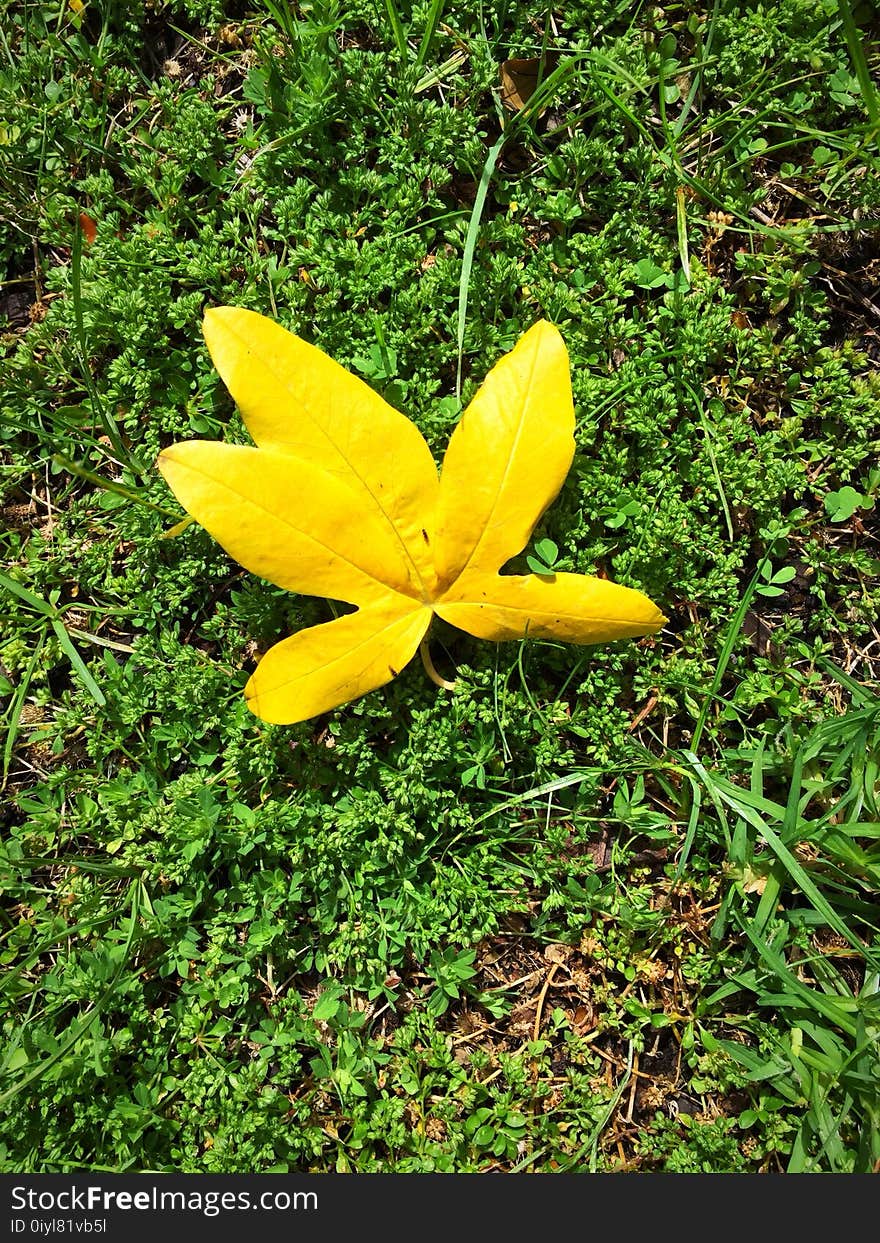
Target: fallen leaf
520, 79
340, 498
558, 953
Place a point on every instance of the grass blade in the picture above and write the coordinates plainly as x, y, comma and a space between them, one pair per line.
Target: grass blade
35, 602
80, 1028
794, 869
537, 102
77, 662
434, 15
17, 705
109, 424
470, 245
860, 63
397, 30
110, 485
727, 652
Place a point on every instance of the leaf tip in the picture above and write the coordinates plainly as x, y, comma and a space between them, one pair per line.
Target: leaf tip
544, 333
216, 318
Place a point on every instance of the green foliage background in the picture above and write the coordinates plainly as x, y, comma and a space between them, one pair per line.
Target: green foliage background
235, 947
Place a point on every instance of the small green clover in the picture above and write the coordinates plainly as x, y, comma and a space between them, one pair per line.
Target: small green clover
620, 512
647, 275
545, 560
379, 363
840, 506
773, 582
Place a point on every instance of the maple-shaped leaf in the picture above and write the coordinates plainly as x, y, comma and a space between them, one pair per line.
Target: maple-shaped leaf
340, 498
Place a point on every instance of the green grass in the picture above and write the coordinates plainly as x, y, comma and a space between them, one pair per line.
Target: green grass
595, 909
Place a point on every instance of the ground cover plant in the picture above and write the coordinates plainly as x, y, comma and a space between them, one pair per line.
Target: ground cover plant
610, 908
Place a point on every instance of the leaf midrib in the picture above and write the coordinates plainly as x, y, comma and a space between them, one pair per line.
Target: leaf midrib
507, 468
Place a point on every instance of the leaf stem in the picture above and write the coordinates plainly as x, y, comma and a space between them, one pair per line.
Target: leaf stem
425, 653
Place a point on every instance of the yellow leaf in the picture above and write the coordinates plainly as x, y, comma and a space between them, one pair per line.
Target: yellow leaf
574, 608
340, 498
507, 459
293, 397
288, 520
324, 666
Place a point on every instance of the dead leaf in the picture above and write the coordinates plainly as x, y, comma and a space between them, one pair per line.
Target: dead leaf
558, 953
88, 227
521, 78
